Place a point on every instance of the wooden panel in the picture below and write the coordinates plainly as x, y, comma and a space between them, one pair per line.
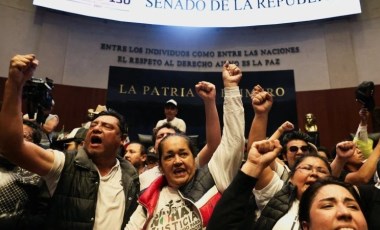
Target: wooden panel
72, 103
336, 110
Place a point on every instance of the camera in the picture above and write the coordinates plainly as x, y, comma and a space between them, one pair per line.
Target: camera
364, 94
38, 96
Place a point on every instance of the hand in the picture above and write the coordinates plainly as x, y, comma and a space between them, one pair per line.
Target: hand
231, 75
21, 68
286, 126
262, 153
345, 149
206, 90
261, 100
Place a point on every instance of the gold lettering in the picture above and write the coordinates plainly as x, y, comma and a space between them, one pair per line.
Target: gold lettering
246, 93
155, 91
270, 91
132, 90
280, 92
182, 92
121, 89
189, 93
146, 89
173, 92
165, 90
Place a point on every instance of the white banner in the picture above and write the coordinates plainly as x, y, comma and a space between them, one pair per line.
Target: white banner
207, 13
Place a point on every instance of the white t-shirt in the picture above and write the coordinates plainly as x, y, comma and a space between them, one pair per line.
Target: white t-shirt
110, 205
146, 178
263, 196
172, 212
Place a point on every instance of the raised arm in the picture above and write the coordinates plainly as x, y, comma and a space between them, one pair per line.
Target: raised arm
367, 170
232, 210
25, 154
344, 150
207, 92
262, 103
227, 158
261, 155
363, 114
286, 126
361, 137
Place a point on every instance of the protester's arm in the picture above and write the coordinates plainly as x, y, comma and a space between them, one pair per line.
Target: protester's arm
50, 125
361, 139
366, 171
266, 174
262, 103
137, 219
25, 154
227, 159
232, 209
344, 150
207, 92
361, 133
286, 126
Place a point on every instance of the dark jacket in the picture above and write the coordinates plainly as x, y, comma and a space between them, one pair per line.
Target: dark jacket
235, 209
74, 201
370, 205
277, 207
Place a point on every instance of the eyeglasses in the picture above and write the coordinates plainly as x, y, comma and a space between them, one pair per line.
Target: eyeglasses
307, 169
303, 148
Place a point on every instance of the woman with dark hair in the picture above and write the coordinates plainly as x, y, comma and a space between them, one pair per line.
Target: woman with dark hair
277, 201
184, 196
331, 204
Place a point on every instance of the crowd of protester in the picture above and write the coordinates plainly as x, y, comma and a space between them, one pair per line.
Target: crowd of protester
94, 177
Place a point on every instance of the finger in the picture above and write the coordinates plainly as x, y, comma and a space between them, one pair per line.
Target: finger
197, 86
258, 88
226, 64
24, 63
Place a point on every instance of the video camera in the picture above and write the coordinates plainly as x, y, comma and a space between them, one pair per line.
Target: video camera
364, 94
39, 98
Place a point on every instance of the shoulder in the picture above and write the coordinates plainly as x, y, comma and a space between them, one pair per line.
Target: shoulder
178, 120
127, 167
160, 122
147, 177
